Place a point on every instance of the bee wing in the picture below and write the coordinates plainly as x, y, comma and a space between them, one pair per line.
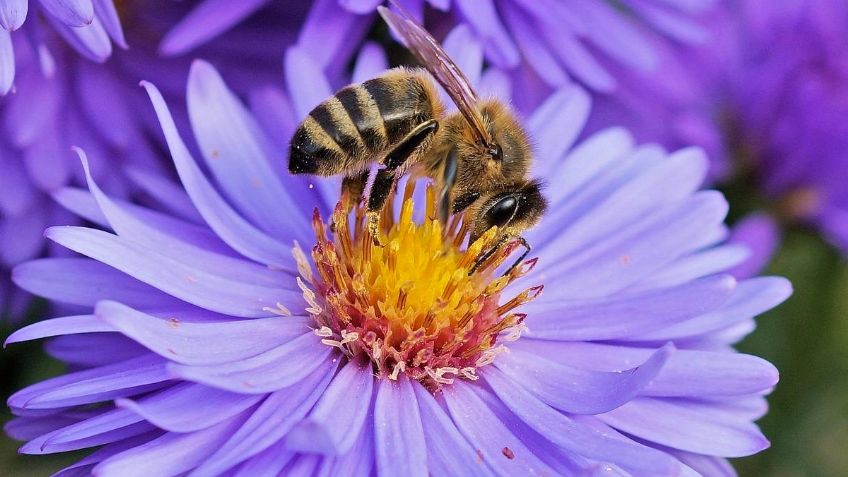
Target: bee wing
427, 50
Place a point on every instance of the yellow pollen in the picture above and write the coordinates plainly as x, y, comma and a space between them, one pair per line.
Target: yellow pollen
410, 302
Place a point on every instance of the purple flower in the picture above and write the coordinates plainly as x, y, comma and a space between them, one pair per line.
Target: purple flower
212, 343
547, 43
88, 26
765, 97
61, 99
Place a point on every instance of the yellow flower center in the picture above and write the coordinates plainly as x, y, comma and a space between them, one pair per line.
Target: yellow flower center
414, 303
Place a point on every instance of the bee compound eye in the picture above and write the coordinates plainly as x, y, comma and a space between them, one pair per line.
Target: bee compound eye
502, 212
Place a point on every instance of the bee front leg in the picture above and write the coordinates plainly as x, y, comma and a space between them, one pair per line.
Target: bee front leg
485, 256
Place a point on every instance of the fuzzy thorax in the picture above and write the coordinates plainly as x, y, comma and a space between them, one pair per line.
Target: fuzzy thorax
411, 304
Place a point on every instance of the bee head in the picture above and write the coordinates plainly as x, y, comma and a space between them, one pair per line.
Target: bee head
512, 209
506, 157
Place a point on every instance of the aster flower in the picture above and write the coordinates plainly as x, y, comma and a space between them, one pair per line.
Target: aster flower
551, 43
62, 99
766, 98
216, 344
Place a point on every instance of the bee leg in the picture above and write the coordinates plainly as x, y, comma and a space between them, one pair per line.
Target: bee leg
527, 249
404, 149
385, 180
380, 190
488, 254
449, 178
354, 186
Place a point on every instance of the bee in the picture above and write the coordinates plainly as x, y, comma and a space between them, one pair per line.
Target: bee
479, 157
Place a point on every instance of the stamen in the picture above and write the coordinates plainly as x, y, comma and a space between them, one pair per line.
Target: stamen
411, 304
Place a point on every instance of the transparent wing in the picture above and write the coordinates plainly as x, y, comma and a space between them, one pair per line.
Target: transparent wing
427, 50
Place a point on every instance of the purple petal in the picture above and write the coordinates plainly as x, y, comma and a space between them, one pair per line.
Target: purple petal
82, 468
577, 390
398, 433
21, 236
358, 462
634, 252
234, 145
556, 123
360, 7
169, 195
687, 373
201, 343
171, 454
80, 204
370, 63
7, 62
535, 52
73, 13
27, 116
482, 15
670, 181
488, 435
226, 222
12, 14
616, 35
760, 234
448, 453
172, 276
620, 317
303, 465
265, 372
205, 22
93, 385
326, 35
269, 423
698, 265
108, 15
590, 159
75, 350
687, 426
90, 40
750, 298
576, 437
334, 425
195, 246
26, 428
107, 107
84, 282
189, 407
91, 432
268, 463
67, 325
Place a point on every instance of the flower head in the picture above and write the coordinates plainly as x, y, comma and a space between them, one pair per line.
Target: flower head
211, 347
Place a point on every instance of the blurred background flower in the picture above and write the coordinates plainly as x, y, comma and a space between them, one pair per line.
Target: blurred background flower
70, 90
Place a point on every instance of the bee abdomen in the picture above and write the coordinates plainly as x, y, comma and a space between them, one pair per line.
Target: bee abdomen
361, 122
404, 100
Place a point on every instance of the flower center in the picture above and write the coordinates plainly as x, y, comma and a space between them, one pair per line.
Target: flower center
415, 303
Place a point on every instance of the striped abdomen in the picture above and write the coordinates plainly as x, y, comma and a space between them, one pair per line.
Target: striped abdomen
362, 122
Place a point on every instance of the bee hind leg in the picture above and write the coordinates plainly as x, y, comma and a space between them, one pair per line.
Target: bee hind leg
449, 179
354, 187
386, 177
